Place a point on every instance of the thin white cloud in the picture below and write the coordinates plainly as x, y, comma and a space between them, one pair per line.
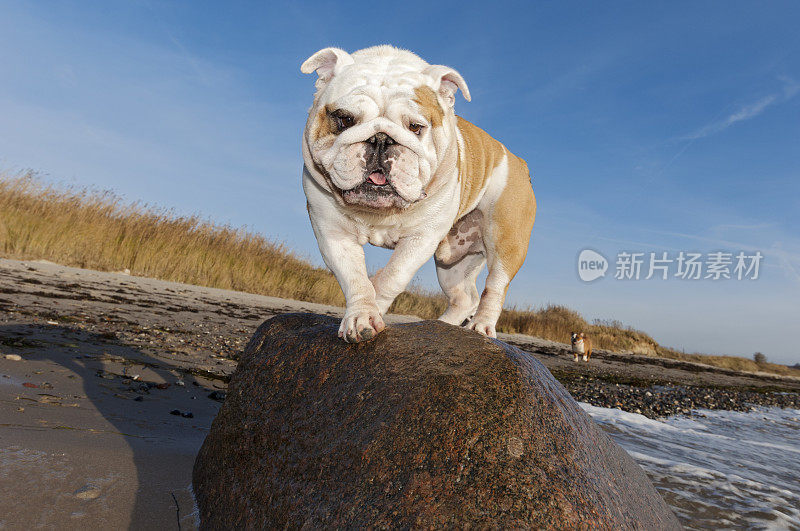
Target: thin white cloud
790, 87
787, 260
753, 226
748, 112
639, 244
187, 56
745, 113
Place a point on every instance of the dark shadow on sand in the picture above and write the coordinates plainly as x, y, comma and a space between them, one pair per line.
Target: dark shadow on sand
163, 445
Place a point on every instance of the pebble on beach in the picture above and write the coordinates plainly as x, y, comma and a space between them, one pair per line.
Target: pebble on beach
219, 396
87, 492
660, 401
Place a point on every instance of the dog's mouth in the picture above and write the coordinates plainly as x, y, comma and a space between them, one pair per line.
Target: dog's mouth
378, 178
375, 192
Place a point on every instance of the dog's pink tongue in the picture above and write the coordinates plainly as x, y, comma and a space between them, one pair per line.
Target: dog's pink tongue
377, 178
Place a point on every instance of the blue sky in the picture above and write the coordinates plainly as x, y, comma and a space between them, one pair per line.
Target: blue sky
647, 127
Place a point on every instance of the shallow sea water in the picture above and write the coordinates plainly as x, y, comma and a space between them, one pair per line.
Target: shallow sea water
721, 470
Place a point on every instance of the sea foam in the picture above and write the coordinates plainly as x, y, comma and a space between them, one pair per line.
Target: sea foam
719, 469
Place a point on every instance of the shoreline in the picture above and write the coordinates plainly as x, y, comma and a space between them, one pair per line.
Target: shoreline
109, 384
200, 331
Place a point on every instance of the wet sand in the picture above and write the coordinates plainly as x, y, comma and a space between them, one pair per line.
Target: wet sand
103, 413
111, 392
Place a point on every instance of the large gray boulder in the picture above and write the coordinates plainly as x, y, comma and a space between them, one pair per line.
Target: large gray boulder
426, 425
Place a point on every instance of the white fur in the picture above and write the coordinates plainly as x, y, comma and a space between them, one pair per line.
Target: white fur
326, 63
493, 188
458, 283
377, 86
448, 82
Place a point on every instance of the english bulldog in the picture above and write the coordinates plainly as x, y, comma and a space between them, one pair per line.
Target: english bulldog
581, 345
388, 162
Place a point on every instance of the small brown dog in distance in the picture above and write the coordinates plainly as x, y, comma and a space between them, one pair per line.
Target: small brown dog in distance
581, 345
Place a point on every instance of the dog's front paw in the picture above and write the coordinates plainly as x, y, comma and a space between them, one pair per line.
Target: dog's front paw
482, 327
361, 323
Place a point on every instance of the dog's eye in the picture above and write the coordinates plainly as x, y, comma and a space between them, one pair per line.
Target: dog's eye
415, 128
343, 120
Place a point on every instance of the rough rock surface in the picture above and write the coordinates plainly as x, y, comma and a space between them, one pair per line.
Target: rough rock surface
426, 425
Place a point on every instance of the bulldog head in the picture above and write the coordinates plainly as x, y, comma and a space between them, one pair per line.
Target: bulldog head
381, 123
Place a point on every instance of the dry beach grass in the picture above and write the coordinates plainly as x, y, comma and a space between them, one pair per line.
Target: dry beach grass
96, 230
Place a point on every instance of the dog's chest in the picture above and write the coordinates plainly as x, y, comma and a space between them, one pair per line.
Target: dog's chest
386, 237
577, 346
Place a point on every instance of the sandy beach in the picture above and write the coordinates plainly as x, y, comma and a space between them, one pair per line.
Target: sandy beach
109, 383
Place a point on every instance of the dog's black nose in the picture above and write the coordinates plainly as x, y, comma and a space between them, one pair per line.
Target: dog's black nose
381, 139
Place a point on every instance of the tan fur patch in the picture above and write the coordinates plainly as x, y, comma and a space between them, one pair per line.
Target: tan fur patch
481, 154
322, 126
429, 106
513, 216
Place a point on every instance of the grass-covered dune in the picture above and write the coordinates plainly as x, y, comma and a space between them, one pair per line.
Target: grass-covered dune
96, 230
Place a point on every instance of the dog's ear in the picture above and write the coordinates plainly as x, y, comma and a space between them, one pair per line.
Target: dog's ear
326, 62
446, 81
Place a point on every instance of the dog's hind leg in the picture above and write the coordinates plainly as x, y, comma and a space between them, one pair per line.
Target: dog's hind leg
458, 283
506, 235
492, 298
505, 254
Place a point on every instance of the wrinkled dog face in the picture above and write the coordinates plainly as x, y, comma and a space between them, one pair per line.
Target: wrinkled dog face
376, 124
